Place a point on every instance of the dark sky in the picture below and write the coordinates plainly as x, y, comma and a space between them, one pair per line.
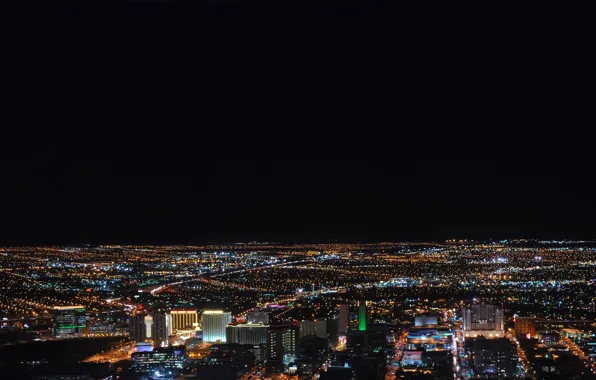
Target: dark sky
349, 124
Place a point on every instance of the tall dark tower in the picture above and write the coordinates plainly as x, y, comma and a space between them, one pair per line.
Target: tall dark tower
161, 328
138, 329
362, 322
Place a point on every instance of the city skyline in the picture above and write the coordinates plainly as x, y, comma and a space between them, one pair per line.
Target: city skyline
237, 191
455, 309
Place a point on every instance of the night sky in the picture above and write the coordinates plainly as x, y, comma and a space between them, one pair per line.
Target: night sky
359, 127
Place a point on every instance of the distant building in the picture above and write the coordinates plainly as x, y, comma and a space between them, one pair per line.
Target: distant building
426, 320
373, 338
332, 330
155, 326
357, 339
148, 320
214, 325
258, 317
246, 333
362, 316
525, 326
282, 343
369, 367
137, 327
236, 357
344, 319
589, 347
184, 319
493, 358
260, 353
161, 328
321, 328
483, 320
307, 329
99, 329
162, 362
68, 321
377, 335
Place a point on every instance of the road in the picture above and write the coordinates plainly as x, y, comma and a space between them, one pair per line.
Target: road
588, 362
254, 373
398, 351
207, 276
120, 352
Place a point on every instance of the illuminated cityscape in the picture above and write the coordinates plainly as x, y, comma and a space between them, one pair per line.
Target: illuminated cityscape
231, 190
456, 309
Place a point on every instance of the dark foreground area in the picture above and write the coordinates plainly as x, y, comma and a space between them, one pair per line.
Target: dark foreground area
23, 361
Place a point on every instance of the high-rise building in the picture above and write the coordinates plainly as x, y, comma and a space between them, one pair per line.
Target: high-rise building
161, 328
68, 321
483, 320
493, 358
137, 328
148, 320
258, 317
161, 362
344, 319
282, 342
184, 319
525, 326
246, 333
332, 330
321, 328
307, 329
214, 325
362, 316
589, 347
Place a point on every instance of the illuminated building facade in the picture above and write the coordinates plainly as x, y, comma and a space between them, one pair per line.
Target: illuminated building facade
246, 333
162, 362
362, 316
68, 321
161, 328
184, 319
214, 325
483, 320
525, 326
148, 320
282, 343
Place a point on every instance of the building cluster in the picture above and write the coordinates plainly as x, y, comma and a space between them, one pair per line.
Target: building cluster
357, 311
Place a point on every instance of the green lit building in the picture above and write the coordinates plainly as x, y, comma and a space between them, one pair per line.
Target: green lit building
68, 321
362, 317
